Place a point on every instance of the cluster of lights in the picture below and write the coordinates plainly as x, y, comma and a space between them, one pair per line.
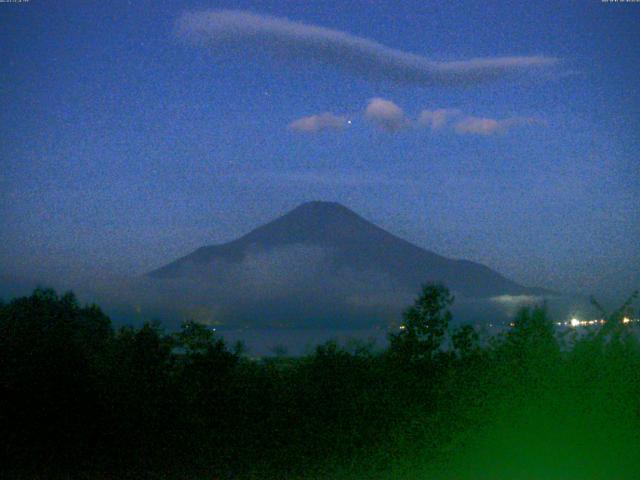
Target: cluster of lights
574, 322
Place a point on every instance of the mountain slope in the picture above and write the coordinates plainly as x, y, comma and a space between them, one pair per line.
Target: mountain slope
332, 240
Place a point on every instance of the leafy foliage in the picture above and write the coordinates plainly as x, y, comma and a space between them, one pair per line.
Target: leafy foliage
425, 324
80, 398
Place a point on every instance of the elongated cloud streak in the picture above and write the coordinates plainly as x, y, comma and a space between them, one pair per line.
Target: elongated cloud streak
219, 28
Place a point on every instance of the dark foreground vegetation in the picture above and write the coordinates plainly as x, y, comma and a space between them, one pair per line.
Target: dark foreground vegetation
79, 399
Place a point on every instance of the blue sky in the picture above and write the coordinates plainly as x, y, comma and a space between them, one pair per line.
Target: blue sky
127, 144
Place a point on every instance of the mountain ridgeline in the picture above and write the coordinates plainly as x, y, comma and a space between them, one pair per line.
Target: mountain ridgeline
322, 260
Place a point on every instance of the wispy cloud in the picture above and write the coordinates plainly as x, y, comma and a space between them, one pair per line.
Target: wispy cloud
386, 115
478, 126
318, 123
215, 28
510, 304
437, 119
488, 126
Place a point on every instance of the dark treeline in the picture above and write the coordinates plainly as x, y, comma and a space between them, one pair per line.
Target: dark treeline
80, 399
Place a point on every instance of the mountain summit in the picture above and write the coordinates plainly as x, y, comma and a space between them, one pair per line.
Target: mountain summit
323, 254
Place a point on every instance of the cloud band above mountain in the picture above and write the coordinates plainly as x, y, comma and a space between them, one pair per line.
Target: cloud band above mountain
216, 28
389, 117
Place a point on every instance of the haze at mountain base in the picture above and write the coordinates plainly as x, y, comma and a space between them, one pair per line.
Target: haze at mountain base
322, 264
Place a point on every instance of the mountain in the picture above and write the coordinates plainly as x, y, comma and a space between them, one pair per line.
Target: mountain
322, 259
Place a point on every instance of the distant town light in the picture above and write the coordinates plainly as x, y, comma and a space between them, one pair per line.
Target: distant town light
575, 322
626, 320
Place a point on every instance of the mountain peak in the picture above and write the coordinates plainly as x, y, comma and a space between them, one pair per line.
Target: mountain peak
322, 207
320, 204
315, 222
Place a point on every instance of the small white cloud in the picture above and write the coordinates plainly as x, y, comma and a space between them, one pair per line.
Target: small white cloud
318, 123
437, 119
386, 115
489, 126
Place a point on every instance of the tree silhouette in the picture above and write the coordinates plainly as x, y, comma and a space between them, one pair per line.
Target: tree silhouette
80, 400
424, 324
465, 341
